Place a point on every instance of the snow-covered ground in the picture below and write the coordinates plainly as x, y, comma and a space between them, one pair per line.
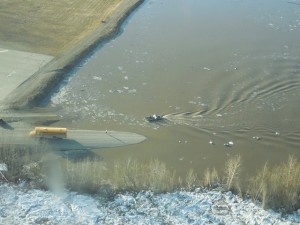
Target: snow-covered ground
23, 206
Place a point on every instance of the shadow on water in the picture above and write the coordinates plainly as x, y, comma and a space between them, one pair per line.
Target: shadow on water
5, 125
79, 155
71, 149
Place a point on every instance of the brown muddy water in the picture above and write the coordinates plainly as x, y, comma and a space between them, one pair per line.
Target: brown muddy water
220, 71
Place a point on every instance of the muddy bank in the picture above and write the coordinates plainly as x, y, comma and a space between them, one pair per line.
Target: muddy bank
36, 88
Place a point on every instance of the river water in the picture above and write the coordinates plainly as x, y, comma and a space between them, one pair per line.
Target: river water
220, 71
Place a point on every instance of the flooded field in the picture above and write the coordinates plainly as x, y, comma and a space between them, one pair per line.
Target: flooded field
222, 73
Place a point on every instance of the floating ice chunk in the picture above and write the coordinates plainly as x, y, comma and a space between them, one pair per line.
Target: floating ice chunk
256, 138
125, 77
132, 91
219, 115
206, 68
11, 73
116, 91
277, 133
126, 88
229, 144
97, 78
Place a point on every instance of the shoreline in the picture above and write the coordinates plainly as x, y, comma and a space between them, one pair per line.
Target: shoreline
39, 85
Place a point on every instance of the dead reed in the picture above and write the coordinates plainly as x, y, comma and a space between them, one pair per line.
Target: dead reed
275, 186
22, 162
278, 186
232, 171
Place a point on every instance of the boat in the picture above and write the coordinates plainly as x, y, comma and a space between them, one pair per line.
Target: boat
154, 118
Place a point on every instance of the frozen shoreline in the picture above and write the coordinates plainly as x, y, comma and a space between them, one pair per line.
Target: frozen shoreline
22, 206
36, 88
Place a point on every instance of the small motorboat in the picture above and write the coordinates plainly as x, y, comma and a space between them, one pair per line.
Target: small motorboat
154, 118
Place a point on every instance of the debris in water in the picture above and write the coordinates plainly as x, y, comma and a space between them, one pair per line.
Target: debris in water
277, 133
256, 138
229, 144
211, 142
154, 118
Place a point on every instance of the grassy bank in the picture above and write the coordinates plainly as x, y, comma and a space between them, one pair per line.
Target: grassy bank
276, 186
51, 27
67, 55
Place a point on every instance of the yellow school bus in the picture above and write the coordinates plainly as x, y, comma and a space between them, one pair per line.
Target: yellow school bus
49, 132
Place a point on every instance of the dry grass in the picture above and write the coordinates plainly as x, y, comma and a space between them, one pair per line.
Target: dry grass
50, 27
135, 176
211, 178
23, 162
128, 175
232, 171
230, 180
191, 181
85, 176
278, 186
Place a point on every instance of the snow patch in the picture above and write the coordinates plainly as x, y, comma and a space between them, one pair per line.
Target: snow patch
21, 206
